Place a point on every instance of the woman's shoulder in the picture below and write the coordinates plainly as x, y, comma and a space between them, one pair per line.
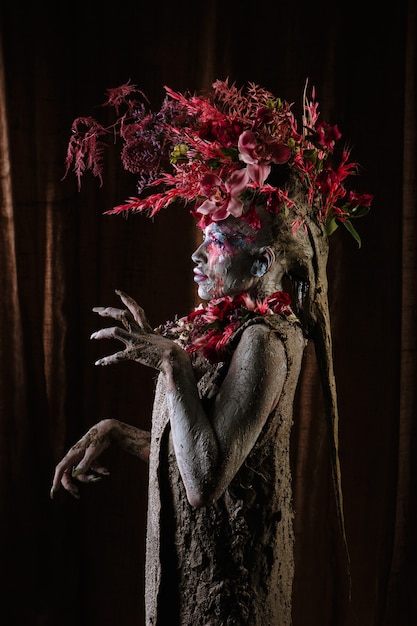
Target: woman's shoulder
258, 343
272, 328
277, 324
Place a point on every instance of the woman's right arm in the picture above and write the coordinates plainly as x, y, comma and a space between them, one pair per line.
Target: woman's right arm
80, 462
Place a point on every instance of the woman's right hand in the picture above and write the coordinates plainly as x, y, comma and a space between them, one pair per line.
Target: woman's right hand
79, 464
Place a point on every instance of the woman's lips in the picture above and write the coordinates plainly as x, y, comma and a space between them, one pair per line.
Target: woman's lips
199, 276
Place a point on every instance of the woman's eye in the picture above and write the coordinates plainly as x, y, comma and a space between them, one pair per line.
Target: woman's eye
219, 243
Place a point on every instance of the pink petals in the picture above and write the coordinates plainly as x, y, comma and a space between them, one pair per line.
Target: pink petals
223, 198
258, 156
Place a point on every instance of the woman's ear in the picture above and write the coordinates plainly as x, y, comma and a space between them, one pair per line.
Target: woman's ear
263, 261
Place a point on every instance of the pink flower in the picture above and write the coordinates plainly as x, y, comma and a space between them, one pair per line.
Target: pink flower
248, 147
249, 154
258, 156
223, 198
247, 302
259, 172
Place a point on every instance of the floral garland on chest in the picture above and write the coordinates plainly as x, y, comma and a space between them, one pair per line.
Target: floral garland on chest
209, 327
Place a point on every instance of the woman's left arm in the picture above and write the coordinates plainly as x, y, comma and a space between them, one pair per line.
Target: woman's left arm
211, 448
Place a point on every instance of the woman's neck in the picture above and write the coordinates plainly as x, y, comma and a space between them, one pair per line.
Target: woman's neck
265, 288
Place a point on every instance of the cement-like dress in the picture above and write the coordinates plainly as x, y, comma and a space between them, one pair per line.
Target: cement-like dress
231, 563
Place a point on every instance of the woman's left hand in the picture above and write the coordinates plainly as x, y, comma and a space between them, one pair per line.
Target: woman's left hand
142, 343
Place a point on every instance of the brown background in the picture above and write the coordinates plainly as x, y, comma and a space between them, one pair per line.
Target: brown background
76, 563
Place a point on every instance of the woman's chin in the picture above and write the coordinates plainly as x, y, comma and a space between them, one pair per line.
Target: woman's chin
204, 294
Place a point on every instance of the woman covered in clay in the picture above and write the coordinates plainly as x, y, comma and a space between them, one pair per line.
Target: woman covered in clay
220, 519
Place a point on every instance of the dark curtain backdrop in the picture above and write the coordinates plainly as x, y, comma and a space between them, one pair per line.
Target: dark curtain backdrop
67, 562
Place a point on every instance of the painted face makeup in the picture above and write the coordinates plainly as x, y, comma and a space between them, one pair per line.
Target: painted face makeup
224, 260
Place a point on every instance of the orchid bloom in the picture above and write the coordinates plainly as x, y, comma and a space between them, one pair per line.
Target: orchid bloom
257, 157
223, 197
249, 154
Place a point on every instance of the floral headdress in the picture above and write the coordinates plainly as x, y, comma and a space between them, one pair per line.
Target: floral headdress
217, 152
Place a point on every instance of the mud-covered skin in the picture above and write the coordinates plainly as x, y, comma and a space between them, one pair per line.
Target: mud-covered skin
210, 447
231, 259
80, 464
246, 420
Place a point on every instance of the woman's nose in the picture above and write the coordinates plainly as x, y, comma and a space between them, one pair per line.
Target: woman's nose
199, 254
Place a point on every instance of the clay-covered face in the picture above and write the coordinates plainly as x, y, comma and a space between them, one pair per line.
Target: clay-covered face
225, 260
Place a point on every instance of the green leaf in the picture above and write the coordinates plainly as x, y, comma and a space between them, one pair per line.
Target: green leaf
330, 226
359, 211
212, 163
348, 225
310, 154
231, 153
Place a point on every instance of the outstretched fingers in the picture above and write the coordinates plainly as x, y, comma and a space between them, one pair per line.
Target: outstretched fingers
142, 343
123, 355
137, 312
120, 315
114, 333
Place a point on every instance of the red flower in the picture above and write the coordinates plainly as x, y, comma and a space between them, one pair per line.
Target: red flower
326, 135
225, 131
214, 348
327, 181
359, 199
280, 302
280, 152
209, 328
193, 149
263, 116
